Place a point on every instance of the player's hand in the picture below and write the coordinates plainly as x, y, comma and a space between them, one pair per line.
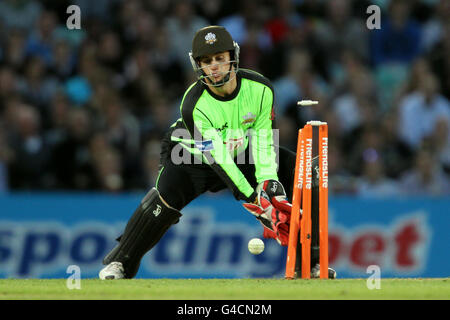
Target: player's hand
277, 196
275, 191
271, 218
269, 234
262, 209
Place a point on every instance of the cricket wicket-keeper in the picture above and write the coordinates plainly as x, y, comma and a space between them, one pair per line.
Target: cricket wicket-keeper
223, 139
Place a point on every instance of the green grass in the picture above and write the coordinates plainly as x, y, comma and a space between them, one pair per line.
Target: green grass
199, 289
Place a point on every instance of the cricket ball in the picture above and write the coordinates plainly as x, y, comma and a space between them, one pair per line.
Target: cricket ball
255, 246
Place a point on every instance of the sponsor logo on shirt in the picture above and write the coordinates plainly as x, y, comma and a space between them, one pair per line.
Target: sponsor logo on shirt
225, 126
205, 145
233, 144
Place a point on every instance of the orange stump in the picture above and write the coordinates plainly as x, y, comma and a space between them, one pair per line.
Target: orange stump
302, 199
305, 226
323, 200
295, 214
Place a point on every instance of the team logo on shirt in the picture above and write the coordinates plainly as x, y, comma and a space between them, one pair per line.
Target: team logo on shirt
210, 38
249, 118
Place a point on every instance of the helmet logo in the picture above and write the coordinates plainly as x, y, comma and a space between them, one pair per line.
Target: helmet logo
210, 38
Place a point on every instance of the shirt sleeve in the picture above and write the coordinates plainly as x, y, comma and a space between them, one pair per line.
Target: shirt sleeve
214, 150
262, 140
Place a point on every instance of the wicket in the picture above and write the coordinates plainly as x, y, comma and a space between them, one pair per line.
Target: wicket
302, 200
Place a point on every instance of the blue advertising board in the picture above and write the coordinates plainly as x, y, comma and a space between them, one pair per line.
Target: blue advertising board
42, 234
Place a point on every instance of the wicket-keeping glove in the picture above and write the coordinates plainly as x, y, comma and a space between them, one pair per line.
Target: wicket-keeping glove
271, 218
275, 191
269, 234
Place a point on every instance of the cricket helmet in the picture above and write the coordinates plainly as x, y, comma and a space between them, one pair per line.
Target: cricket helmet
211, 40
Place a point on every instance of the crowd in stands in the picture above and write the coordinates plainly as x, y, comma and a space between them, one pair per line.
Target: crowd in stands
86, 109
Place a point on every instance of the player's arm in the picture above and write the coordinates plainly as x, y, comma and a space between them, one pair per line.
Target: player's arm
262, 144
263, 151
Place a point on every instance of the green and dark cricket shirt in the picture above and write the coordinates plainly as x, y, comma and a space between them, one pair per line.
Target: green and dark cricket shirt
219, 129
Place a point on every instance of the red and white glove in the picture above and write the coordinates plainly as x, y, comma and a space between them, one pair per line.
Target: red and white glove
269, 234
272, 219
275, 191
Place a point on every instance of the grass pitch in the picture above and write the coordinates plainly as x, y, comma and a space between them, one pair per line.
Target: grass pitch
224, 289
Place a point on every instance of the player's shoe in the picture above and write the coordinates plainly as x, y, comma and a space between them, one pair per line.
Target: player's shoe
315, 272
112, 271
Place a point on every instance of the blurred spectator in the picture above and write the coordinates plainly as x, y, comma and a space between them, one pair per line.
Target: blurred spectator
70, 157
10, 105
439, 142
143, 85
144, 28
30, 154
411, 83
79, 87
56, 119
14, 50
368, 148
5, 159
434, 29
108, 170
348, 64
64, 63
21, 14
181, 27
250, 13
164, 62
419, 69
158, 118
8, 84
127, 16
251, 56
427, 177
398, 41
110, 52
420, 110
99, 9
312, 8
397, 155
298, 82
122, 132
120, 127
161, 8
40, 41
285, 18
393, 48
211, 10
289, 130
341, 181
287, 89
340, 32
348, 105
439, 58
373, 183
36, 86
299, 37
138, 65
